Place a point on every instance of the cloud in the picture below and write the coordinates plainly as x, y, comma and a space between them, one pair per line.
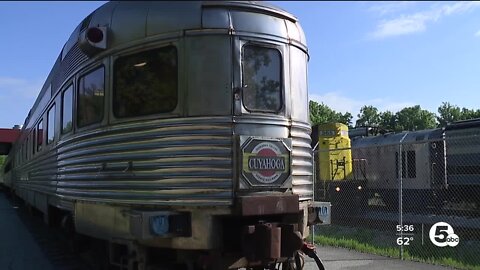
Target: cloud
477, 34
417, 22
341, 103
387, 7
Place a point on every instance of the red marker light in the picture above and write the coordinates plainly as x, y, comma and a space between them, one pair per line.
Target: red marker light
95, 35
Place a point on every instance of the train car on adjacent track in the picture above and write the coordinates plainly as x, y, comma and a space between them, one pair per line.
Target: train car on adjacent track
437, 167
178, 133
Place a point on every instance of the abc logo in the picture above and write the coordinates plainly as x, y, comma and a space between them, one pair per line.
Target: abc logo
442, 235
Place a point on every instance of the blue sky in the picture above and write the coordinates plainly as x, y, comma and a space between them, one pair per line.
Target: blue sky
386, 54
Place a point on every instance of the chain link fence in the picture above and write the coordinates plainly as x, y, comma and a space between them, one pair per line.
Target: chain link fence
411, 195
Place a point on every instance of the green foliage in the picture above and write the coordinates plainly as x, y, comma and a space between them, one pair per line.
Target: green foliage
414, 118
2, 160
409, 118
321, 113
388, 120
448, 113
368, 116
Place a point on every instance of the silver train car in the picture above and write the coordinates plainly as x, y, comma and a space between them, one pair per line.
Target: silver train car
175, 128
421, 168
439, 167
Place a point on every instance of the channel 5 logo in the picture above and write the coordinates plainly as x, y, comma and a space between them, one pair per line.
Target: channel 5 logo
442, 235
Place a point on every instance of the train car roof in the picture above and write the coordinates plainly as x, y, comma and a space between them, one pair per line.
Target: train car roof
130, 21
463, 124
396, 138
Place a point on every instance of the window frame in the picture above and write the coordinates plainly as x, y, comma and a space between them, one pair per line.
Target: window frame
178, 82
277, 48
62, 94
408, 161
76, 98
47, 131
39, 147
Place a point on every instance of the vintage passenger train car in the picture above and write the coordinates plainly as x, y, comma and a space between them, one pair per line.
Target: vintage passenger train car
420, 166
179, 126
437, 166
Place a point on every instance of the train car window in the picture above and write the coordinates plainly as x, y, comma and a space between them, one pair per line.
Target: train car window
262, 86
409, 165
91, 92
51, 125
146, 83
39, 136
412, 168
67, 109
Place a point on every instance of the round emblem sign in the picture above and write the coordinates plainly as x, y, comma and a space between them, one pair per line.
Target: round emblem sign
266, 162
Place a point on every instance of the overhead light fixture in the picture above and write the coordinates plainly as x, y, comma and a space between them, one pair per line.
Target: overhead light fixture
140, 64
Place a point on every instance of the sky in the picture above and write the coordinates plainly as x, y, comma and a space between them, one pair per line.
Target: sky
386, 54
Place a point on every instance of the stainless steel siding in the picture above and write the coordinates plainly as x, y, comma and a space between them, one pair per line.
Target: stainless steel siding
181, 161
302, 163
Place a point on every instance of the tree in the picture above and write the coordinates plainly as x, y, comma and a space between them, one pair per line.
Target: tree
448, 113
414, 118
469, 114
368, 116
388, 121
321, 113
345, 118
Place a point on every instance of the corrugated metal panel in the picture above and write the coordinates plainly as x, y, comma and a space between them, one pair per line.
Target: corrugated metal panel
74, 58
172, 162
302, 166
179, 161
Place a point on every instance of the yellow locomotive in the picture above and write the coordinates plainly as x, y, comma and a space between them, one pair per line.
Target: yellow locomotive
339, 179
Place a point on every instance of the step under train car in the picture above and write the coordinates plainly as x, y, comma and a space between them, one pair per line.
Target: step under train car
176, 128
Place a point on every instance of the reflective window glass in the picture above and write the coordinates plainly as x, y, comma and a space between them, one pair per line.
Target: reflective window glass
146, 83
262, 86
67, 109
51, 125
91, 92
39, 136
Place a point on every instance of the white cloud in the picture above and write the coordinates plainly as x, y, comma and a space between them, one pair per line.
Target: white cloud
341, 103
417, 22
388, 7
477, 34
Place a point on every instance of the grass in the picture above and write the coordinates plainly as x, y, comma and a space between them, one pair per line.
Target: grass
463, 256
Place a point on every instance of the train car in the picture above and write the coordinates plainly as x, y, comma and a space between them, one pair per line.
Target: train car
178, 133
439, 166
463, 162
420, 166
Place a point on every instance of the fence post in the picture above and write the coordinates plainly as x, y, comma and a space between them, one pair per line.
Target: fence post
314, 176
400, 191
